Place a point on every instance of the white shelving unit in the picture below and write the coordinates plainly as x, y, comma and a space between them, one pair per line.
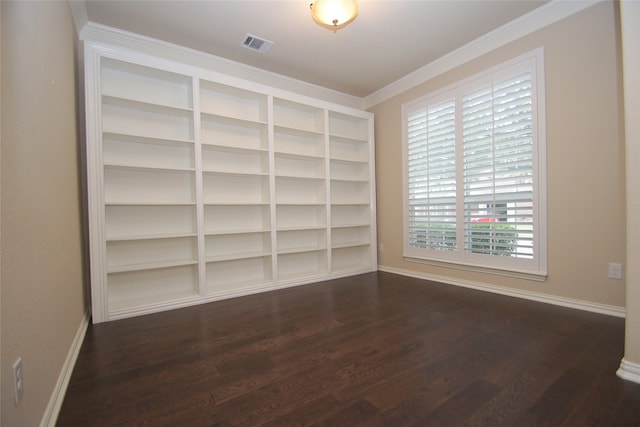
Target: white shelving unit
235, 164
203, 188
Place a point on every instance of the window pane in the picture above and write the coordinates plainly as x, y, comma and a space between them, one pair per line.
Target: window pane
498, 169
432, 177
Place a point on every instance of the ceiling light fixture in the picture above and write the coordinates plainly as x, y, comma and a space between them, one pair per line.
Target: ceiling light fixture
334, 14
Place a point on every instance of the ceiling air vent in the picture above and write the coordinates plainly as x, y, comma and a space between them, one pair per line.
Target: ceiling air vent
256, 43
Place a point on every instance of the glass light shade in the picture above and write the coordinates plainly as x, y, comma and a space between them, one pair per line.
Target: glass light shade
334, 14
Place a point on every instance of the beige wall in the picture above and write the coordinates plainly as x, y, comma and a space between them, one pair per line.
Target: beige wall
585, 160
43, 300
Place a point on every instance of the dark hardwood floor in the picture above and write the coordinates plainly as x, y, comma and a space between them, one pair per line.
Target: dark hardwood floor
371, 350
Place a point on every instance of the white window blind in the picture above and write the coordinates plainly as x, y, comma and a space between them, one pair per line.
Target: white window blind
432, 177
474, 156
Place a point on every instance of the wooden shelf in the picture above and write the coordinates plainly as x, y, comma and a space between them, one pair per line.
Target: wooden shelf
148, 203
216, 159
123, 306
149, 236
301, 240
146, 288
232, 102
349, 245
234, 133
238, 256
299, 190
150, 266
298, 117
145, 168
311, 263
142, 105
236, 274
350, 225
239, 122
299, 166
123, 79
347, 126
236, 231
301, 249
300, 142
346, 149
352, 257
302, 228
146, 139
229, 246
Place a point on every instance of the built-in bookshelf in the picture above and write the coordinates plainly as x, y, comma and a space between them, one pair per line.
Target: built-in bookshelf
202, 188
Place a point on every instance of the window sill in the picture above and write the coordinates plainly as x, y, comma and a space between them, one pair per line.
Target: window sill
518, 274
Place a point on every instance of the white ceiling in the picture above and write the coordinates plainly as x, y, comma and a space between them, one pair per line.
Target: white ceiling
388, 40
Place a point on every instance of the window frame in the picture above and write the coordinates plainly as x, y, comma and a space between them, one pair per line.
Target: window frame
534, 268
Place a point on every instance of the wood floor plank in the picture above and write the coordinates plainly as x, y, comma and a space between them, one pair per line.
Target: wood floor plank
371, 350
455, 410
306, 414
599, 402
558, 400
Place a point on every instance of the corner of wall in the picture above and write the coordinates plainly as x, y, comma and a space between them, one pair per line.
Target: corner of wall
57, 397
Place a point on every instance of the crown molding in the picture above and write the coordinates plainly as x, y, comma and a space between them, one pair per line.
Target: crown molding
94, 32
541, 17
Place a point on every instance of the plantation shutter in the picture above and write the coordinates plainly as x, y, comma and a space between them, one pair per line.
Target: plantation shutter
474, 172
498, 168
432, 177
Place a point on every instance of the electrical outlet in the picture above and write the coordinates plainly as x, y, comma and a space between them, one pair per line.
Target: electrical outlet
615, 270
381, 247
18, 381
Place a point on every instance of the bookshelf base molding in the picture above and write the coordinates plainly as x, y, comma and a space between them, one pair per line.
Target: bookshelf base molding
151, 308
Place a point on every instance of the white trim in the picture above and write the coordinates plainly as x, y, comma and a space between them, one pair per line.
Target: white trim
630, 34
518, 274
629, 371
548, 14
57, 397
105, 34
610, 310
95, 196
534, 268
219, 296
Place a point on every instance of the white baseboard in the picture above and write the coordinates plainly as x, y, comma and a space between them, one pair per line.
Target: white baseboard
57, 397
629, 371
610, 310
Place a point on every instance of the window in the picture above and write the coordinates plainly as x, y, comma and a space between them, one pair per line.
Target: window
474, 171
